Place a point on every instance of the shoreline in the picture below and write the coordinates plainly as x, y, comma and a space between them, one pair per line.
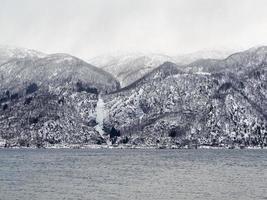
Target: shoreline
63, 146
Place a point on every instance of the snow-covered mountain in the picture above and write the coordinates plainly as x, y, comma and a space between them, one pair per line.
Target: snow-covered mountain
60, 99
129, 67
8, 52
54, 70
227, 107
186, 59
235, 63
50, 100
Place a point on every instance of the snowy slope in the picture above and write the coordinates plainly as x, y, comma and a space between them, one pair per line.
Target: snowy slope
200, 55
180, 108
129, 67
7, 53
51, 100
54, 70
235, 63
60, 99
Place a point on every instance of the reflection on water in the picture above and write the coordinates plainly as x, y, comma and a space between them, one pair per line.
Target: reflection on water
132, 174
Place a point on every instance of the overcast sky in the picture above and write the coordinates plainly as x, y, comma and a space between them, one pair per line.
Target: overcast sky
87, 28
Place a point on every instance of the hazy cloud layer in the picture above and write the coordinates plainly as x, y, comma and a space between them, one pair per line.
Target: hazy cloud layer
87, 28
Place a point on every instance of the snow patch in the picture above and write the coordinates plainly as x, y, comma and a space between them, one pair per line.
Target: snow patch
100, 116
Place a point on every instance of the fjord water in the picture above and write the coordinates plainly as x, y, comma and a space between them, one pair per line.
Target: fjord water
132, 174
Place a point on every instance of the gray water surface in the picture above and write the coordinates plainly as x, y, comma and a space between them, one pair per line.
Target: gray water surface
48, 174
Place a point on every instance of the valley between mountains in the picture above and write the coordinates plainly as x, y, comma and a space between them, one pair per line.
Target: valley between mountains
133, 100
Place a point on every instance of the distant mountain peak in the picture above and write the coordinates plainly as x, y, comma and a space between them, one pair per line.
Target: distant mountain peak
9, 52
128, 68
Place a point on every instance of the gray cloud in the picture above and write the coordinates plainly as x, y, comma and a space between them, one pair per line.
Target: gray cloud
87, 28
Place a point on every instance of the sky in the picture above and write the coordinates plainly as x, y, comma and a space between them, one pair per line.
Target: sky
87, 28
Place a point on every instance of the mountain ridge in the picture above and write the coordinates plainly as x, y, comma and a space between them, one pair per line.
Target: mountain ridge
172, 106
141, 109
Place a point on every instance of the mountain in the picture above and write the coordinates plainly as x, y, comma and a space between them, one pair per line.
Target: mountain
236, 63
8, 53
54, 70
225, 107
50, 100
185, 59
59, 99
161, 72
128, 68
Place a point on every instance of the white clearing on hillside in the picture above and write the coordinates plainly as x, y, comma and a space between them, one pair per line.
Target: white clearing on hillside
100, 116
